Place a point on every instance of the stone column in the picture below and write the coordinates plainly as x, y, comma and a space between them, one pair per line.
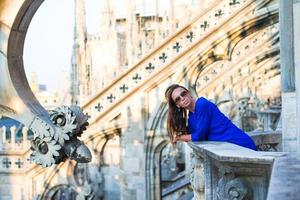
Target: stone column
2, 132
290, 117
287, 46
133, 155
197, 177
296, 14
3, 135
12, 136
25, 135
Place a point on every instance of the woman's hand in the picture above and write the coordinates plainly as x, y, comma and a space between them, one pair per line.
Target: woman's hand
184, 137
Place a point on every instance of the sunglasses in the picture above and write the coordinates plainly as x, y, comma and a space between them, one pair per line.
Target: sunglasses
181, 95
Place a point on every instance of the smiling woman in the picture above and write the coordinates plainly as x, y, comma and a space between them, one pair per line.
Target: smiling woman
204, 121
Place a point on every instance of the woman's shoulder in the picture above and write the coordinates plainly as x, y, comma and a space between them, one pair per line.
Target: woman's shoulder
202, 101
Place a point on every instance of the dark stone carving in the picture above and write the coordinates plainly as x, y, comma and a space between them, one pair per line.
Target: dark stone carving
233, 188
234, 2
163, 57
219, 13
268, 147
88, 115
6, 162
124, 88
177, 47
99, 107
111, 98
136, 78
150, 67
56, 145
19, 163
190, 36
205, 25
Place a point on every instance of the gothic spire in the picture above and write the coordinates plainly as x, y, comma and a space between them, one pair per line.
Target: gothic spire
80, 21
79, 50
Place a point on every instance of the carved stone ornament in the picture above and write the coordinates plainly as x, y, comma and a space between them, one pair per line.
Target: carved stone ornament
268, 147
60, 142
233, 188
197, 176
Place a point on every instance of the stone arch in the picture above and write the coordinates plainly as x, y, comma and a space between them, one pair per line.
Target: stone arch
156, 142
102, 138
109, 154
231, 39
60, 190
15, 55
153, 170
154, 146
49, 182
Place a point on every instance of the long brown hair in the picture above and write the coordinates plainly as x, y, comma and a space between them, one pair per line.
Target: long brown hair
177, 117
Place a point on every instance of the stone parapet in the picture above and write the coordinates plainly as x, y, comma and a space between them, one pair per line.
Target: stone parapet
12, 144
268, 140
233, 172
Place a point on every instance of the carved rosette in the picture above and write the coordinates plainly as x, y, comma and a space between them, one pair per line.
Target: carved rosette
233, 188
64, 118
55, 143
44, 151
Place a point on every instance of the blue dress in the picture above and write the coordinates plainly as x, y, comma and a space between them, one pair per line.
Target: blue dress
209, 123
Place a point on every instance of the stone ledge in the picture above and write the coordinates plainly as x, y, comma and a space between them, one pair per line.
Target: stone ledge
227, 152
281, 176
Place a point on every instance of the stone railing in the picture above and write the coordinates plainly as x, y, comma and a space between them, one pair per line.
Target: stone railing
268, 140
164, 55
227, 171
13, 143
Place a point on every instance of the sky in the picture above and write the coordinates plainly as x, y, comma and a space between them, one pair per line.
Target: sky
49, 40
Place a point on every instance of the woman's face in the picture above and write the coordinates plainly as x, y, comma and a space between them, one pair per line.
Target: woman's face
182, 97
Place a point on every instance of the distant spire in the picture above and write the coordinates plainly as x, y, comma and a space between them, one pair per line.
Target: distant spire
78, 71
107, 21
131, 31
80, 20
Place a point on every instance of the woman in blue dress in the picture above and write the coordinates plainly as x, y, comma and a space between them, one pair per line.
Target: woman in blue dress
204, 121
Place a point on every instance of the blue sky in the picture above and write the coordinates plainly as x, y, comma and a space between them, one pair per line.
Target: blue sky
49, 39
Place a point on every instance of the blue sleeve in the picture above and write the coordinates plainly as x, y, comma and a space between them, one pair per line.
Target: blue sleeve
202, 122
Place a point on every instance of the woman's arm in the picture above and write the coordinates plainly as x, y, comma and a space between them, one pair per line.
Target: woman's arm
184, 137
